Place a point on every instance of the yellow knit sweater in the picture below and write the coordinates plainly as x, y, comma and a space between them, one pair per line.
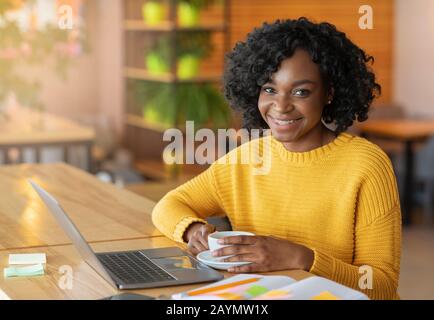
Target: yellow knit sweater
340, 200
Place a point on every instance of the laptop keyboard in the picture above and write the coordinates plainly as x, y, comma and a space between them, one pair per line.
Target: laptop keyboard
133, 267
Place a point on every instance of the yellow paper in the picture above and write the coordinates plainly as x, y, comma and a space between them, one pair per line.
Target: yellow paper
229, 296
325, 295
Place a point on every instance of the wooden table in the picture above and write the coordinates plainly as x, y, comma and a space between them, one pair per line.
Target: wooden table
101, 211
111, 219
86, 283
407, 131
25, 128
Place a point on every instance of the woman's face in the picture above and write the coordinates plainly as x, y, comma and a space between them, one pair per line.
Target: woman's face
293, 100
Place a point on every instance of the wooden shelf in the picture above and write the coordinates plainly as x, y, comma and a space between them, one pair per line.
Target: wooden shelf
139, 122
139, 25
143, 74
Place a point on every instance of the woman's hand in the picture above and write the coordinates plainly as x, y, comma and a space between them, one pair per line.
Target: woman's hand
265, 253
197, 237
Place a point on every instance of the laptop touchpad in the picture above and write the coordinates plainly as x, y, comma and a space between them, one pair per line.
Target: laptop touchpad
170, 263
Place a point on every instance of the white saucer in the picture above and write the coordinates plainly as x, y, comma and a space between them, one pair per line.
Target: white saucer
206, 258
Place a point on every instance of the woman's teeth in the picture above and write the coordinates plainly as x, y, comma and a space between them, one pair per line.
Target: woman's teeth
285, 122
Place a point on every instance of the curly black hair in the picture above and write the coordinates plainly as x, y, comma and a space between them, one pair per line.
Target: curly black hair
343, 67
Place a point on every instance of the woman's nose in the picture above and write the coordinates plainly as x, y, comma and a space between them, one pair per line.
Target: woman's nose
283, 104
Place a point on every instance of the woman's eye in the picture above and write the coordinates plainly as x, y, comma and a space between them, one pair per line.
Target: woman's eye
301, 92
268, 90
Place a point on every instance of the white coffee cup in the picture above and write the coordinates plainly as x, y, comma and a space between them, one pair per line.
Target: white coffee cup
214, 237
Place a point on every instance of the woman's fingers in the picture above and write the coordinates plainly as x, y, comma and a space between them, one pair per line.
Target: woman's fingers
241, 257
196, 246
192, 250
203, 242
233, 250
199, 240
202, 235
238, 240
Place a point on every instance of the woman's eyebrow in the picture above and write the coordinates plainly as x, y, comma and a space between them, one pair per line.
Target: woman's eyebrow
295, 83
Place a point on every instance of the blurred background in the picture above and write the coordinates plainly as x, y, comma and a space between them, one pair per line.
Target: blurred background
95, 83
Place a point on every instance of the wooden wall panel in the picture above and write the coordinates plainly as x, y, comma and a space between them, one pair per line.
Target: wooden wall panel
378, 42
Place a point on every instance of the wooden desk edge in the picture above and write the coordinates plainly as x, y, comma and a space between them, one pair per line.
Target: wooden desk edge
88, 284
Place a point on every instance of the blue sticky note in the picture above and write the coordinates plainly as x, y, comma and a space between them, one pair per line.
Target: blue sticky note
35, 270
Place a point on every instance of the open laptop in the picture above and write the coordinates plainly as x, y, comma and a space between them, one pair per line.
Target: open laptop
146, 268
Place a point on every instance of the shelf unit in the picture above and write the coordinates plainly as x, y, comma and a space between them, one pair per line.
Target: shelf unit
143, 74
139, 25
142, 137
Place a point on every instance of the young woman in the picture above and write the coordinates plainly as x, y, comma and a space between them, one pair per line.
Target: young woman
329, 203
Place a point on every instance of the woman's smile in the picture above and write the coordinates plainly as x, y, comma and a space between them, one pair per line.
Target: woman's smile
283, 123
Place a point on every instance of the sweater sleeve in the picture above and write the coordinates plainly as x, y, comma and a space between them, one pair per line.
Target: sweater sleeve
377, 239
193, 201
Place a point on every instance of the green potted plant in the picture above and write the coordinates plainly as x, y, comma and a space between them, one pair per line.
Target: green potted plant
189, 11
170, 106
191, 47
157, 102
157, 60
153, 12
201, 103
